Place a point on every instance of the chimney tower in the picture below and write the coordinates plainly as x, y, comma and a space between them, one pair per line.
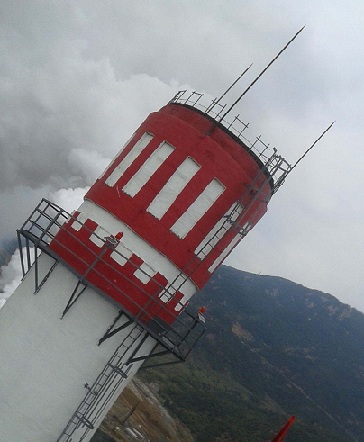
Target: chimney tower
107, 287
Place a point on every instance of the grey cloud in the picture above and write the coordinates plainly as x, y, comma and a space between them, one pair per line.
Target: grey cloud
77, 78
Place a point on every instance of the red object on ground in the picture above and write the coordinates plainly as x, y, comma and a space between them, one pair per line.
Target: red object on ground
283, 431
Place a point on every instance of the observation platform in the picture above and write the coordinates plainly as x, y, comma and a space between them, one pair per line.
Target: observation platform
38, 232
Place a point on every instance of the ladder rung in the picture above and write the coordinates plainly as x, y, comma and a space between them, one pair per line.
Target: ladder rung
118, 370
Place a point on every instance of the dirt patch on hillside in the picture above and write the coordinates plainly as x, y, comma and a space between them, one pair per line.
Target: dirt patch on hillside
138, 415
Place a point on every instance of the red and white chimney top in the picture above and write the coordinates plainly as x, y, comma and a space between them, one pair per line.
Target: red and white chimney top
170, 207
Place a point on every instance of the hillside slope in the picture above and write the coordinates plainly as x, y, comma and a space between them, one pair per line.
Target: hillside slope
272, 349
138, 415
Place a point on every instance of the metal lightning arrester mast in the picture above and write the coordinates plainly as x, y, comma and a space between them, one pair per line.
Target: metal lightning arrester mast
112, 280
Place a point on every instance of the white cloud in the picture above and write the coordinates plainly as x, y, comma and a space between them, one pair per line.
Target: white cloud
11, 276
69, 199
77, 78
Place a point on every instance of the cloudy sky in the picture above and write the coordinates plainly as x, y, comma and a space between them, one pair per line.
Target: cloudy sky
77, 78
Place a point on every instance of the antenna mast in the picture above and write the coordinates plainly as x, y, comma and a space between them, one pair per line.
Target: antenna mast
282, 179
263, 71
312, 146
228, 89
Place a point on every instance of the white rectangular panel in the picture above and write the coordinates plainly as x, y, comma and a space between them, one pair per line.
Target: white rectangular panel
129, 159
110, 166
144, 273
123, 256
99, 236
78, 224
198, 208
174, 186
150, 166
225, 253
219, 230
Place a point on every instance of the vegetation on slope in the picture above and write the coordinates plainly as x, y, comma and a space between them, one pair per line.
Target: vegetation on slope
272, 349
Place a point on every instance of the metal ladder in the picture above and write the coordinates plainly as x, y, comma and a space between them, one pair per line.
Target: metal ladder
194, 263
99, 394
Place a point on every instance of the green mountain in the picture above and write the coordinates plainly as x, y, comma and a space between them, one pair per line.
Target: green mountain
272, 349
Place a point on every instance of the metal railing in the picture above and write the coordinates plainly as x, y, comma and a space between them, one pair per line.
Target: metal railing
276, 166
41, 228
